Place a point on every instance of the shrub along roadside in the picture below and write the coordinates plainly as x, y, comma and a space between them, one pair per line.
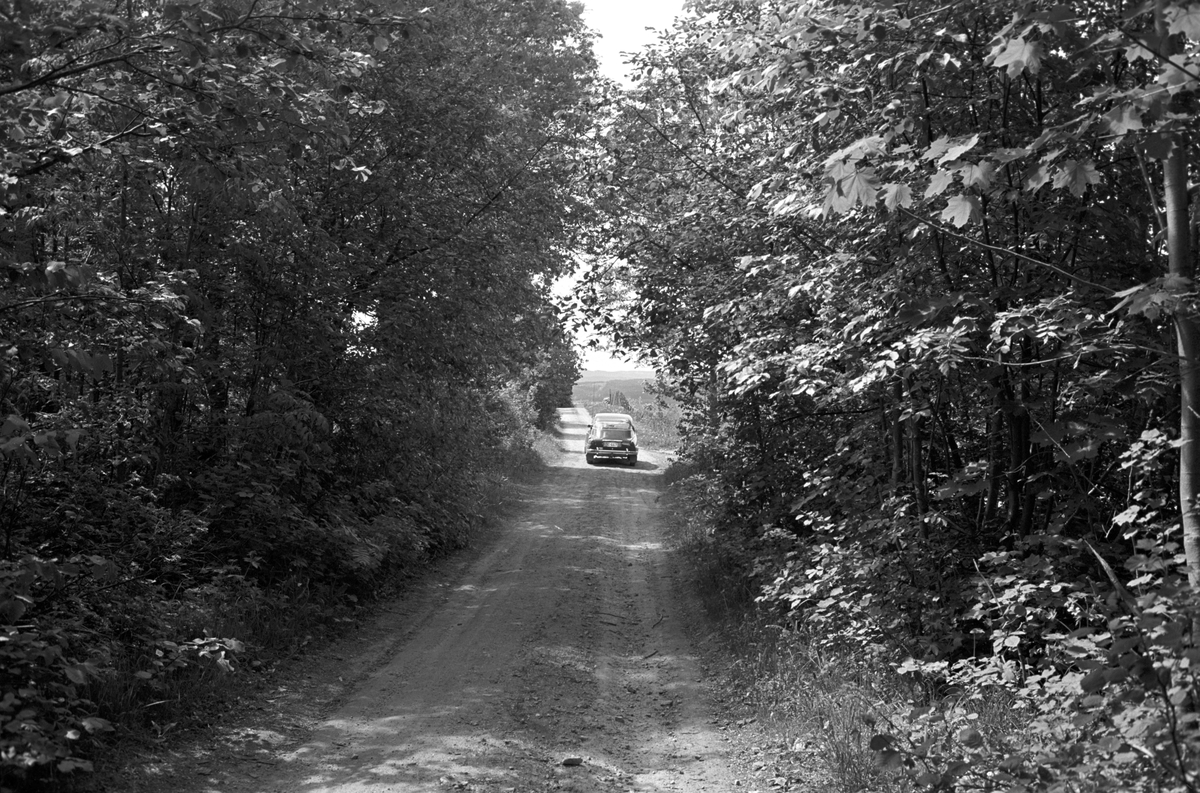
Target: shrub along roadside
152, 633
1031, 705
814, 706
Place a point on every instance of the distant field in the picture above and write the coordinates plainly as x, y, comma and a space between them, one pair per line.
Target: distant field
656, 422
594, 375
597, 391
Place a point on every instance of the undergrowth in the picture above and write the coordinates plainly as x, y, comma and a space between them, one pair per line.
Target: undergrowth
172, 613
1039, 682
818, 707
824, 707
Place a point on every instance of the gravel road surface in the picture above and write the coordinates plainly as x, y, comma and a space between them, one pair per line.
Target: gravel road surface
558, 657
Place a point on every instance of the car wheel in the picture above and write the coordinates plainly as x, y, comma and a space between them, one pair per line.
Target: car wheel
633, 462
590, 459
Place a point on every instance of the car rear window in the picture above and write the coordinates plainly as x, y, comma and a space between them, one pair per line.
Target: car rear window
615, 433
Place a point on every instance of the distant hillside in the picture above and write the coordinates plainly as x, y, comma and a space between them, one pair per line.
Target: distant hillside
595, 375
591, 391
597, 391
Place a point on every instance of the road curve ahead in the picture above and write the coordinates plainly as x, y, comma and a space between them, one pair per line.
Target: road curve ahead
558, 660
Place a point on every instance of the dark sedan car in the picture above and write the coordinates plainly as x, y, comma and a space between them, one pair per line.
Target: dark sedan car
611, 436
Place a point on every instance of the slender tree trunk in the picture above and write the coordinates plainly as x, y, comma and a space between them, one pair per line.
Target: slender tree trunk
1180, 266
1016, 475
897, 434
1189, 434
995, 467
714, 397
1187, 333
916, 460
1018, 445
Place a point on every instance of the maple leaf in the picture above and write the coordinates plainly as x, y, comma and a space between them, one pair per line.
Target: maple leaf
1036, 177
1146, 299
1076, 176
895, 195
938, 183
978, 175
1122, 119
1143, 48
1186, 21
836, 201
1175, 78
834, 204
1056, 17
1138, 52
860, 187
835, 170
961, 210
849, 186
959, 147
1006, 155
946, 149
871, 146
1158, 146
1018, 55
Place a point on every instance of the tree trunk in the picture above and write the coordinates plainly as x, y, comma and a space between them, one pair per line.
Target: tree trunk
897, 429
916, 466
1187, 333
995, 465
1179, 266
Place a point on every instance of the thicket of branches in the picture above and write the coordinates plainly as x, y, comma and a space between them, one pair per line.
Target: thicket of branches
276, 311
922, 274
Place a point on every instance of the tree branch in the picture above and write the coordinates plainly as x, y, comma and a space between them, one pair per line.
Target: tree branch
739, 193
997, 249
51, 76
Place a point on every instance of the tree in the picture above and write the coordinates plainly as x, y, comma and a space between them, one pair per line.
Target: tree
272, 269
936, 405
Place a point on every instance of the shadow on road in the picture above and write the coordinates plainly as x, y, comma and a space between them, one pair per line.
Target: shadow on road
641, 465
562, 643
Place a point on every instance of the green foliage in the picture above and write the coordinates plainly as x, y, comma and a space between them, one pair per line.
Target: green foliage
277, 311
904, 268
551, 380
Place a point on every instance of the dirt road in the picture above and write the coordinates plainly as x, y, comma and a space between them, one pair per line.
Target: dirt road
558, 659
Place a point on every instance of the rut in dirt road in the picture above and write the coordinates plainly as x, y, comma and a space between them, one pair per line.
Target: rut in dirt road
565, 641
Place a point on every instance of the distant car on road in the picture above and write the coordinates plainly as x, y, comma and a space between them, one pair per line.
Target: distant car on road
611, 436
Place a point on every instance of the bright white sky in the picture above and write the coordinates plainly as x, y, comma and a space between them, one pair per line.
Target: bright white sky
622, 26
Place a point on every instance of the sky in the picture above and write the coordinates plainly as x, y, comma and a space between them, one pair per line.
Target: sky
621, 26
